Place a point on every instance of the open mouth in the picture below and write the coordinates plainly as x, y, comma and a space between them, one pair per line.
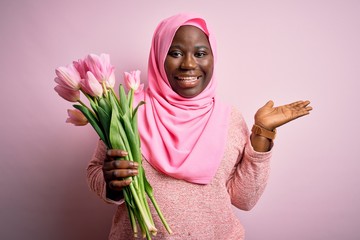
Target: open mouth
188, 81
187, 78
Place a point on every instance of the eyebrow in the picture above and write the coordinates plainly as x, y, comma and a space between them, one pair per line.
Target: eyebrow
197, 47
202, 46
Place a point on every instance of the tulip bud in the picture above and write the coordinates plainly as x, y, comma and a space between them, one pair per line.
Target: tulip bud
132, 81
76, 117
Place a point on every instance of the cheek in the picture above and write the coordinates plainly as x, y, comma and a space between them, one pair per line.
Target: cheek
166, 65
168, 70
170, 65
208, 68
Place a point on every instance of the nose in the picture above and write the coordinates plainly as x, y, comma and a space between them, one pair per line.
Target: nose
188, 62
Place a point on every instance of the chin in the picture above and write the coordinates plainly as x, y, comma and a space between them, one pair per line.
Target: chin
188, 94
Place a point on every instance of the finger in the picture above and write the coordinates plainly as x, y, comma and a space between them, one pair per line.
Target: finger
113, 154
119, 174
124, 173
303, 104
300, 104
120, 164
300, 113
295, 104
304, 107
309, 108
306, 103
119, 184
269, 104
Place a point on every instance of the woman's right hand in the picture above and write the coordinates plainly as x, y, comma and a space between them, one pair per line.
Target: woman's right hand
116, 171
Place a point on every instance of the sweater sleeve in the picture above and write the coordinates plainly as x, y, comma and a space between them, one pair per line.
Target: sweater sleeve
249, 176
95, 176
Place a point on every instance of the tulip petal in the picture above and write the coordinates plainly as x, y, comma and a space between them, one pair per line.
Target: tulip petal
68, 94
81, 67
68, 77
132, 80
91, 85
101, 68
140, 89
76, 117
110, 83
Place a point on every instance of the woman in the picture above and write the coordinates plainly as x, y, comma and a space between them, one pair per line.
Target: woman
198, 153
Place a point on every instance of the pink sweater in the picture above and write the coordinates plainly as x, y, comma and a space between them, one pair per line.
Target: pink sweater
198, 211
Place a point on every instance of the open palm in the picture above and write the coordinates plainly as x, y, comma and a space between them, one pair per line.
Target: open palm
271, 117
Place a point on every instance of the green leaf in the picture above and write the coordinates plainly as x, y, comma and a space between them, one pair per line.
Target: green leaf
118, 130
134, 125
137, 107
148, 188
104, 115
105, 105
123, 100
114, 102
130, 100
93, 121
134, 146
93, 103
116, 141
104, 119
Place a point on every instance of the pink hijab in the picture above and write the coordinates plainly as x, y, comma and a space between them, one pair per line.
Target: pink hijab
181, 137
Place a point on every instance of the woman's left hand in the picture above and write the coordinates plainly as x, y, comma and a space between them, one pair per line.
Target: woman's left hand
270, 117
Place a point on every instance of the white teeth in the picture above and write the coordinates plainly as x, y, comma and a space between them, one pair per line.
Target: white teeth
187, 78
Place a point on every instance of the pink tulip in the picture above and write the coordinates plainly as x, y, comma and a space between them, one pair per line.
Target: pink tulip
81, 67
101, 68
68, 77
132, 81
91, 85
110, 83
67, 94
76, 117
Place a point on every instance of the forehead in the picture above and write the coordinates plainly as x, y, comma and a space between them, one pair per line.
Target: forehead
190, 34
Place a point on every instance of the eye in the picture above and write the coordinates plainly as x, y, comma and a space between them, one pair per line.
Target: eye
200, 54
175, 53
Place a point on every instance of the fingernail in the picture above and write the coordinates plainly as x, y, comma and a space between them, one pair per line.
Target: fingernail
124, 152
135, 164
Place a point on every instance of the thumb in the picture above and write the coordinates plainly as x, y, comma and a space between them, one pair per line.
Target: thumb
269, 104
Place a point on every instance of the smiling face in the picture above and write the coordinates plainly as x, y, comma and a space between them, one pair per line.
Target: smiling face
189, 63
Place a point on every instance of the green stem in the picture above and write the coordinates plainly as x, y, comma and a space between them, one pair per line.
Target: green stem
83, 104
142, 211
160, 213
131, 99
143, 195
132, 217
105, 89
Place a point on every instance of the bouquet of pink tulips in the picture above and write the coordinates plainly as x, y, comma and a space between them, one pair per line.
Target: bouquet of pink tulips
115, 121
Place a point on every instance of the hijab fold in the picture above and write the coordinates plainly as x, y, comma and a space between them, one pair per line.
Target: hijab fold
181, 137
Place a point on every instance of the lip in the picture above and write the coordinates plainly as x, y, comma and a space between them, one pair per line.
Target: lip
188, 81
187, 78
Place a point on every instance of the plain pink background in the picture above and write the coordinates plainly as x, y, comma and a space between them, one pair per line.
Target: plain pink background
280, 50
